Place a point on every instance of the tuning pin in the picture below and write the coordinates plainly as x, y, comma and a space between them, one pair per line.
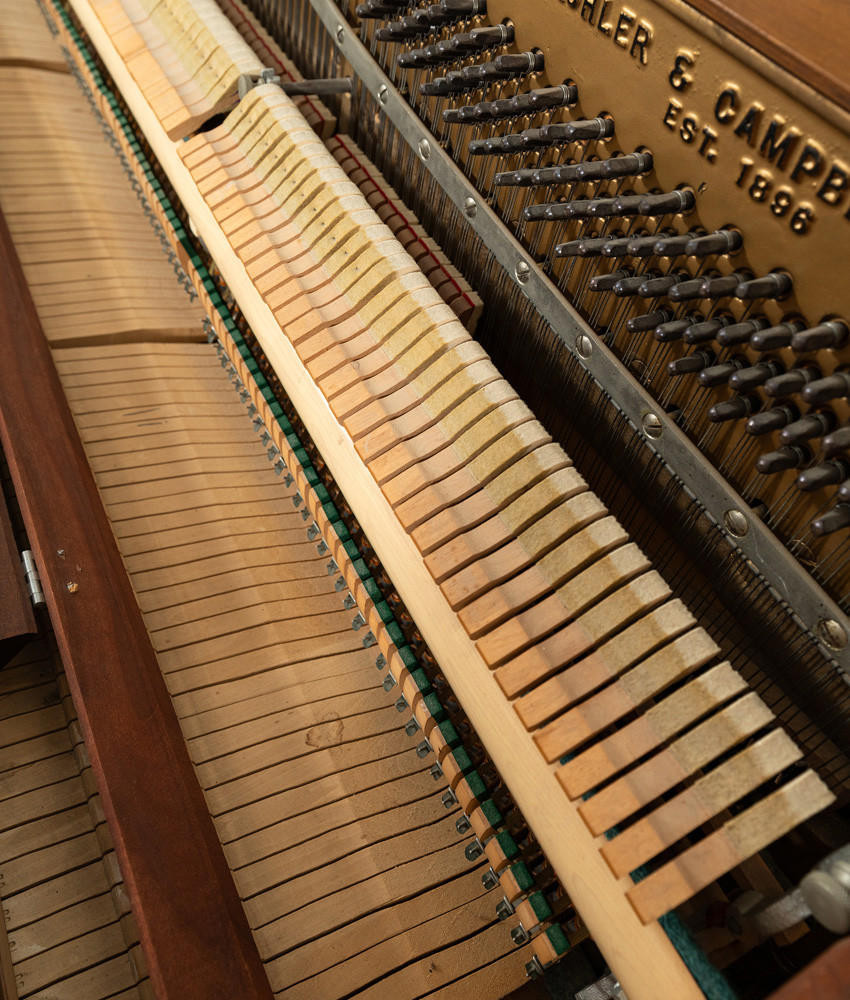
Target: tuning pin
720, 374
544, 99
775, 285
396, 31
618, 246
441, 86
832, 333
685, 290
787, 457
417, 58
642, 246
812, 425
673, 245
833, 520
671, 203
653, 287
774, 337
690, 364
605, 282
822, 390
565, 173
580, 130
580, 208
518, 63
732, 409
703, 331
462, 8
771, 420
754, 376
628, 165
489, 37
721, 286
648, 321
829, 473
592, 247
740, 333
629, 286
721, 242
516, 178
379, 10
667, 333
838, 440
791, 382
433, 16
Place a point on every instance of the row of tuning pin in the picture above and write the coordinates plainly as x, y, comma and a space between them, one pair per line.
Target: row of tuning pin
667, 291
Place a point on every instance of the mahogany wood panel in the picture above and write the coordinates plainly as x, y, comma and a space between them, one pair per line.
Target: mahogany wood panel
810, 39
195, 937
827, 978
16, 615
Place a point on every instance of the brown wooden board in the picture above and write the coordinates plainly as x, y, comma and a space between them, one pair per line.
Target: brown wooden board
16, 617
827, 977
195, 937
809, 39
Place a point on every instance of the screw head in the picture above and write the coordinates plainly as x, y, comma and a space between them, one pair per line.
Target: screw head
519, 934
522, 271
470, 208
831, 633
584, 346
424, 149
736, 523
60, 553
651, 425
340, 34
72, 586
383, 93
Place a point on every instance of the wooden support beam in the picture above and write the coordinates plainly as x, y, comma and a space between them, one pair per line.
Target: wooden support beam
195, 937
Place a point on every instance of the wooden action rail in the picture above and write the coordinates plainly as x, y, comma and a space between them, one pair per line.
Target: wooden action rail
565, 579
193, 931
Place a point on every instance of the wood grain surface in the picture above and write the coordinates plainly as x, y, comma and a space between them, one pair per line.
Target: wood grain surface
808, 39
827, 978
193, 930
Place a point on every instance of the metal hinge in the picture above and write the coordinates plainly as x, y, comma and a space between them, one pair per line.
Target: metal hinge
32, 578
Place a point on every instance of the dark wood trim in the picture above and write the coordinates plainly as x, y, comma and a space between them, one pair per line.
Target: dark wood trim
194, 933
8, 989
827, 978
17, 621
810, 40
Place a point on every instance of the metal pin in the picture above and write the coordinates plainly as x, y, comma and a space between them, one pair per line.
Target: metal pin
489, 879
